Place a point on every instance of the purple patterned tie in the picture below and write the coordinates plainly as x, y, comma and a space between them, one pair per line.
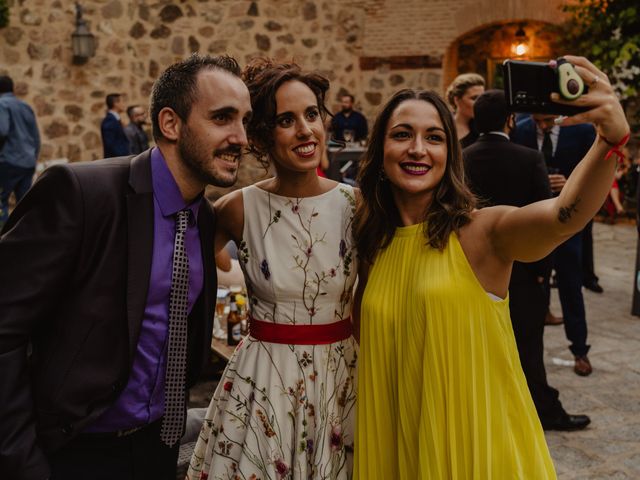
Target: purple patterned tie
174, 389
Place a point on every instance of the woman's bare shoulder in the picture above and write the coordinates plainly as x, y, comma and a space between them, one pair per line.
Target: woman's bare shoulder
228, 201
230, 213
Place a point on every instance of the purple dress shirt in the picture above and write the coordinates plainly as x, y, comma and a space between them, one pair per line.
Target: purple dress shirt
142, 400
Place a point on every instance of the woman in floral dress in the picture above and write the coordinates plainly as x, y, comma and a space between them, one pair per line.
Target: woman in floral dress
284, 408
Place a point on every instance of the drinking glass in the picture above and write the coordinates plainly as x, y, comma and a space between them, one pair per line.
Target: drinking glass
348, 135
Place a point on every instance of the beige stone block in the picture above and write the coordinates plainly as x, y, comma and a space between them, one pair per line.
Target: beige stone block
206, 31
42, 107
170, 13
177, 45
56, 128
21, 89
27, 17
74, 113
12, 35
138, 30
46, 151
74, 152
112, 10
91, 140
239, 8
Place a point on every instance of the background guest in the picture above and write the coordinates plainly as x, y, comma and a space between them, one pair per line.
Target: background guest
563, 147
501, 172
114, 140
461, 94
350, 121
138, 140
19, 146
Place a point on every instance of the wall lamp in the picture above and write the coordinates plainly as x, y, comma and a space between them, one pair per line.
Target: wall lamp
82, 40
520, 46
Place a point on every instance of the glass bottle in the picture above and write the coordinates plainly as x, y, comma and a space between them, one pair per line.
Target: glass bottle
234, 333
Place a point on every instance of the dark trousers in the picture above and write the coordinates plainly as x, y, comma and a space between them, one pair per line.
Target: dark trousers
139, 456
588, 270
568, 266
12, 179
527, 305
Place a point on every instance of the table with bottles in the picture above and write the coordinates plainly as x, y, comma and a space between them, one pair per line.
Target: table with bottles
343, 161
230, 324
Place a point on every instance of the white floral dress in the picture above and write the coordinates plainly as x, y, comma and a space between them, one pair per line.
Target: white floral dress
288, 411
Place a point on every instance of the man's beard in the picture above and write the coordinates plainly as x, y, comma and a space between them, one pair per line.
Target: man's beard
196, 159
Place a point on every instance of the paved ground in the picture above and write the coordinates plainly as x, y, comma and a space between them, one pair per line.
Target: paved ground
610, 447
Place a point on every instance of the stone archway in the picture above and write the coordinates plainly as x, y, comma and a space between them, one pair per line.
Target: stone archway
483, 49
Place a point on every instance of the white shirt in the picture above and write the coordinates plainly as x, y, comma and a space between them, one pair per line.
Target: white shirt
496, 132
554, 133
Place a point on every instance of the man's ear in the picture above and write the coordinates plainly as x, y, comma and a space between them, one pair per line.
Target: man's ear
170, 124
456, 102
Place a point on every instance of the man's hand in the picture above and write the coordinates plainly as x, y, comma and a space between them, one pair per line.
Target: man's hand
557, 181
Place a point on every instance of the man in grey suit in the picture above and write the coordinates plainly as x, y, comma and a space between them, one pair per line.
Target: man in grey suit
138, 140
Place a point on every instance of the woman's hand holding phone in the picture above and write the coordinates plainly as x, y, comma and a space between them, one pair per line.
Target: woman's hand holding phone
604, 109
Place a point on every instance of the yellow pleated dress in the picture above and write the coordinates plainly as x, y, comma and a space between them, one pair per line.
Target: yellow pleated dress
441, 394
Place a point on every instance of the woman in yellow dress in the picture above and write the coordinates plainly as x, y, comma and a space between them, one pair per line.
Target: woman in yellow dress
441, 392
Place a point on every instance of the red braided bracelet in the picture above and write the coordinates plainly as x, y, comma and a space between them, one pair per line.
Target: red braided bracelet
615, 147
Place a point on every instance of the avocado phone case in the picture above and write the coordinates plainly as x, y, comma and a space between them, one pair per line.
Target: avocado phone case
528, 86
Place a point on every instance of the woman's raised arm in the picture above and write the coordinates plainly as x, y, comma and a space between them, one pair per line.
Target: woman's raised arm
531, 232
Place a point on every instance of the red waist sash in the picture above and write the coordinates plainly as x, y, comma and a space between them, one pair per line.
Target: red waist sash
300, 334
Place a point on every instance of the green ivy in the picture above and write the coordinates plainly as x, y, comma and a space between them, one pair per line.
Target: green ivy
608, 33
4, 13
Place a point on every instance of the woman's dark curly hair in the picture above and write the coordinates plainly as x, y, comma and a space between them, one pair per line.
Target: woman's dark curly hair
263, 78
377, 216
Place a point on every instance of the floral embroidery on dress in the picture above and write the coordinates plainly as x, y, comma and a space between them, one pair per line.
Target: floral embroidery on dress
287, 411
264, 268
243, 252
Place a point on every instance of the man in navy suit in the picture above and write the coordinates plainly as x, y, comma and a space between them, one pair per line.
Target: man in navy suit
501, 172
114, 141
563, 148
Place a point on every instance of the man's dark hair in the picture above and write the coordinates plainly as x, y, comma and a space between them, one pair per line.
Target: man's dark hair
491, 112
348, 95
130, 110
177, 89
6, 84
111, 100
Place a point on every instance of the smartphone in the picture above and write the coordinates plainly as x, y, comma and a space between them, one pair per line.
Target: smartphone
528, 87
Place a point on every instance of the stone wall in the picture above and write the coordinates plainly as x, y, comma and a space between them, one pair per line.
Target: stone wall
137, 39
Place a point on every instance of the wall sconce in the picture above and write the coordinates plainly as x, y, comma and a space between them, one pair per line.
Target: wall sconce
82, 40
520, 46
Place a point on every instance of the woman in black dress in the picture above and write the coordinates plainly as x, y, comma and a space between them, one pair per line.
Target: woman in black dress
462, 94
